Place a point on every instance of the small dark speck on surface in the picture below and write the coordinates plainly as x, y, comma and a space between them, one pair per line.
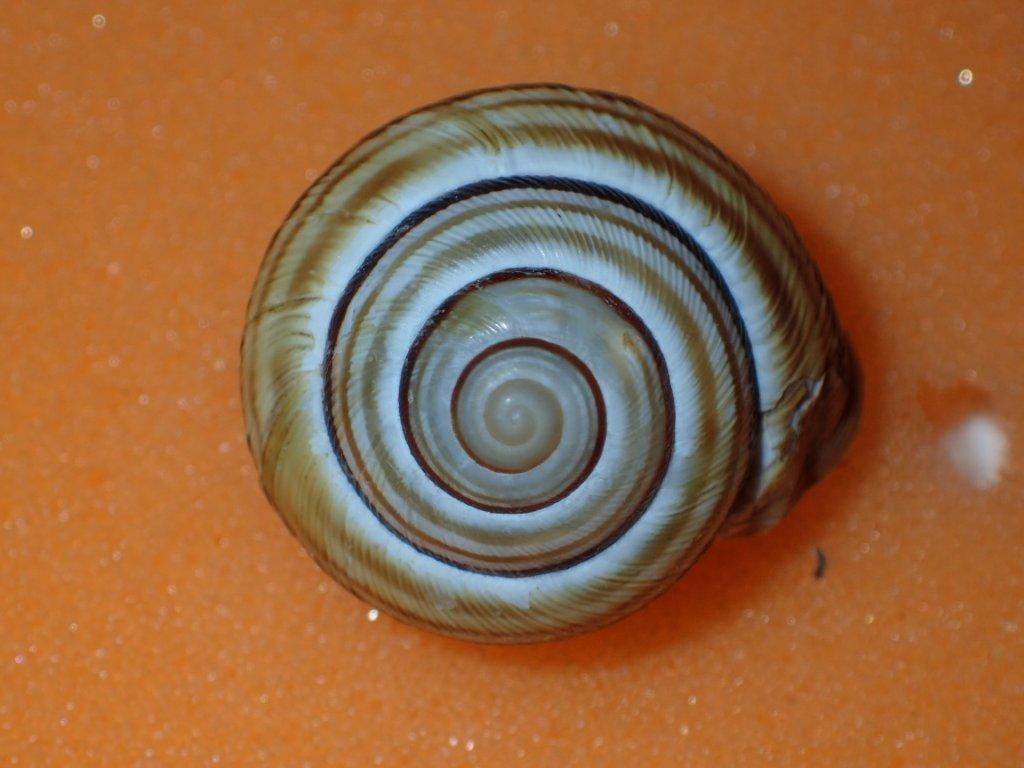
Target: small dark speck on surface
822, 564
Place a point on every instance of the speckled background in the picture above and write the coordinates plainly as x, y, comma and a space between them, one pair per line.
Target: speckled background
155, 611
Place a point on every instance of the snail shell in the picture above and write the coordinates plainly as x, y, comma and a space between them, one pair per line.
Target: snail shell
516, 358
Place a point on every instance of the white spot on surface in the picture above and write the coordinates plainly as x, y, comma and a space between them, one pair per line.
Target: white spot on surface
27, 232
977, 450
99, 21
965, 77
372, 615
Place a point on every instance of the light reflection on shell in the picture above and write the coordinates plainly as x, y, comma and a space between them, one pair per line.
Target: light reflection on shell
515, 359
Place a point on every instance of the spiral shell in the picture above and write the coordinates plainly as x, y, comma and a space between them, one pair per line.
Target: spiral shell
516, 358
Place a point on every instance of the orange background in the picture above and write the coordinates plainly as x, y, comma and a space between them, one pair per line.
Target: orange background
154, 610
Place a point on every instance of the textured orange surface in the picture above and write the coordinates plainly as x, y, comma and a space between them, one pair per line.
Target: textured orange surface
154, 610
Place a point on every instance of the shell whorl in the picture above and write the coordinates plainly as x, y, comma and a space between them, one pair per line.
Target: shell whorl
514, 360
